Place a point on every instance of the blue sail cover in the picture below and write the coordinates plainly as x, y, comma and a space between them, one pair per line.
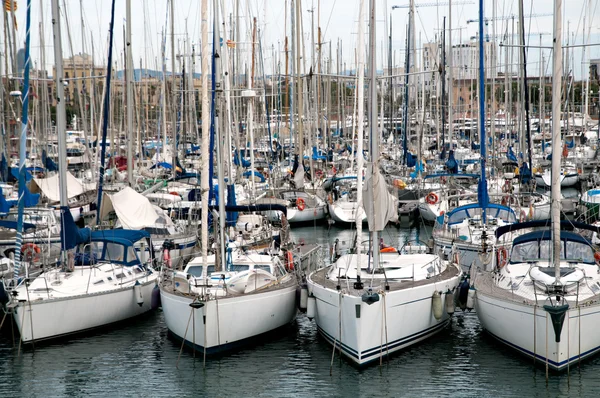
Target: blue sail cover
71, 234
451, 163
510, 155
316, 156
14, 171
238, 160
232, 216
30, 199
411, 160
525, 173
475, 146
258, 174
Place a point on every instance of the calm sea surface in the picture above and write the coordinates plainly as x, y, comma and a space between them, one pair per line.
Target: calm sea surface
140, 360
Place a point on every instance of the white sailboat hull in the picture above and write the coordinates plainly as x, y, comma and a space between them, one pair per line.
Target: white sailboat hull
53, 318
366, 332
346, 212
229, 322
512, 323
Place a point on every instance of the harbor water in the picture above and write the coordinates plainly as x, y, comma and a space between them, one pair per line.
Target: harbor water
140, 360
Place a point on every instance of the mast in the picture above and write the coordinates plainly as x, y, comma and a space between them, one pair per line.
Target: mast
220, 155
482, 193
173, 94
129, 78
444, 86
106, 109
23, 147
450, 77
204, 183
373, 128
556, 138
524, 88
360, 103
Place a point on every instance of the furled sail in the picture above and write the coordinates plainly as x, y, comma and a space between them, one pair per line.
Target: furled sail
380, 205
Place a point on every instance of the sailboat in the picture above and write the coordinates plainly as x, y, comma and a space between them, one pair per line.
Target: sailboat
102, 282
222, 301
542, 299
370, 305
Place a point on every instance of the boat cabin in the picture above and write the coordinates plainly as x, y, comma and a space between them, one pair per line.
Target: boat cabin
537, 246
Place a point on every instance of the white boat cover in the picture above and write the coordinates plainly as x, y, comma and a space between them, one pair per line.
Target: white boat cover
380, 205
50, 188
134, 210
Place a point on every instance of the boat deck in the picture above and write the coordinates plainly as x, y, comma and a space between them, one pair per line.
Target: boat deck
168, 286
486, 283
378, 281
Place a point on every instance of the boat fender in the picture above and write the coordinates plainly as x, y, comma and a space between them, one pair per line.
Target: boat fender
166, 257
463, 292
449, 302
597, 257
155, 302
436, 305
303, 297
137, 290
311, 307
471, 299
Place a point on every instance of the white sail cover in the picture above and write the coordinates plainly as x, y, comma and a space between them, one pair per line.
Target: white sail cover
299, 177
134, 210
50, 187
380, 205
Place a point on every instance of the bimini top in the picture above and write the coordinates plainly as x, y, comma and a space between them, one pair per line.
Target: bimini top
547, 235
461, 213
126, 237
113, 246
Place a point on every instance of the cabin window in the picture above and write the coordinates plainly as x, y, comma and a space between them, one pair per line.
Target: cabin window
195, 271
525, 251
120, 276
99, 282
114, 252
239, 267
265, 267
131, 256
579, 251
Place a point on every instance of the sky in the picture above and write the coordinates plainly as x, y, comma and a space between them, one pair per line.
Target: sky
338, 20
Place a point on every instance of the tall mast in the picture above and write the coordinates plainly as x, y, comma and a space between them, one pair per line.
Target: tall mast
556, 138
204, 183
173, 93
482, 188
129, 78
23, 146
220, 155
373, 127
450, 77
360, 103
105, 116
